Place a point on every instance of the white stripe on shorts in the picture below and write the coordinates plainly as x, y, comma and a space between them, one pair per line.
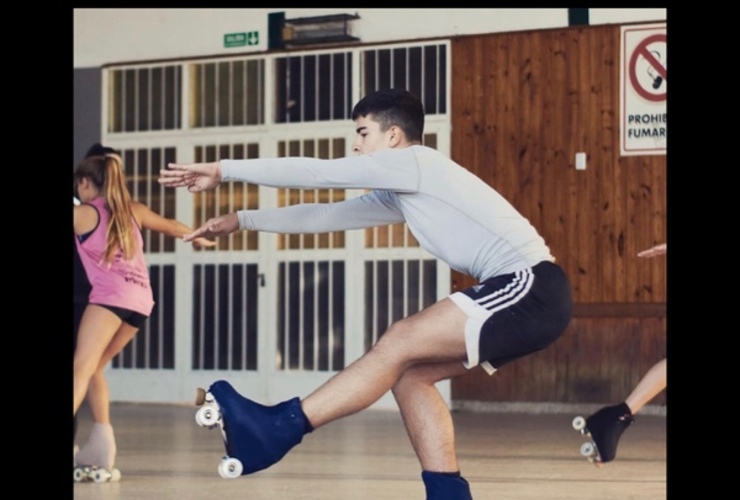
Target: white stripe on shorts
479, 310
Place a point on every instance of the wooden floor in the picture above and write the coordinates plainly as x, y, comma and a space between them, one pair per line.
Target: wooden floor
164, 454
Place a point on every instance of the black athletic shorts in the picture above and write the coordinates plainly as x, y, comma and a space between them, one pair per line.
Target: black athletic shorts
512, 315
131, 317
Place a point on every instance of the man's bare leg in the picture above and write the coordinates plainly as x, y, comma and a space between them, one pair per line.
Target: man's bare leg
433, 335
259, 437
426, 416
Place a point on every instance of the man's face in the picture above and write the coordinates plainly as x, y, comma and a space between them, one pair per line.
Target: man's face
369, 136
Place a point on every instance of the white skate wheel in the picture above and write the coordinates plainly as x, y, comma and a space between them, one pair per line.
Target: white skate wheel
230, 468
79, 475
100, 475
587, 449
207, 416
104, 475
579, 423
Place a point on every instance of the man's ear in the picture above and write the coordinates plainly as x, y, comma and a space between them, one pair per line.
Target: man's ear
395, 136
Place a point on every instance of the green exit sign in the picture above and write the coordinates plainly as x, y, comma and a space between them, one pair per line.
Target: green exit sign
241, 39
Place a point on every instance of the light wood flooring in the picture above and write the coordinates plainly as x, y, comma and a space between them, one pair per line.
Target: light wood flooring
164, 454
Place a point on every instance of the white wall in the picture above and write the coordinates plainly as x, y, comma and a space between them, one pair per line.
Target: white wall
105, 36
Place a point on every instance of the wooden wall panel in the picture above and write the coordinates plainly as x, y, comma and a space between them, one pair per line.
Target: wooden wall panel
523, 104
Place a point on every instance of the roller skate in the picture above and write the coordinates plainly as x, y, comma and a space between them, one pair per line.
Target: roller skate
446, 486
94, 461
604, 428
88, 473
255, 436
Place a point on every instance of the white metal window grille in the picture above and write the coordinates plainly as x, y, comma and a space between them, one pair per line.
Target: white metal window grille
225, 296
225, 317
310, 291
227, 93
313, 87
395, 289
228, 197
314, 148
141, 167
311, 320
154, 345
422, 70
144, 99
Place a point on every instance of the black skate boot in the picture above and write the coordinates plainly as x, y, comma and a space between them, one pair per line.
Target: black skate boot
605, 427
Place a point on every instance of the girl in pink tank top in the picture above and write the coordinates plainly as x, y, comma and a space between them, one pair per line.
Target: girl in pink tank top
107, 227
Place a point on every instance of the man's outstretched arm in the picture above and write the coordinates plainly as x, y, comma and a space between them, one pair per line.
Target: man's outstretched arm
356, 213
391, 170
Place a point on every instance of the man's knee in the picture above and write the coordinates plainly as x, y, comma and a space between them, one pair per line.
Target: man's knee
418, 377
406, 334
396, 341
398, 329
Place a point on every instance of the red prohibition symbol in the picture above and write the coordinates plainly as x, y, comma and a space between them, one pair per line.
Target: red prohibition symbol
660, 70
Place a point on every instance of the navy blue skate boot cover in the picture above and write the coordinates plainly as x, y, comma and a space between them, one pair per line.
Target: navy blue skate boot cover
258, 435
446, 486
606, 427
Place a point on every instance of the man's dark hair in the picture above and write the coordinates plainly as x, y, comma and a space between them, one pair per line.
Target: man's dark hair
397, 107
98, 149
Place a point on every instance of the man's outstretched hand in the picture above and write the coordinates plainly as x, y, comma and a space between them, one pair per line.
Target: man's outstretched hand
218, 226
195, 176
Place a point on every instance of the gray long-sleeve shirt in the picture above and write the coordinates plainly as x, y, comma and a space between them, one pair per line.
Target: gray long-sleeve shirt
453, 214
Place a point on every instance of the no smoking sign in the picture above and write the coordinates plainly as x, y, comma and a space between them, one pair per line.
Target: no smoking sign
644, 90
648, 70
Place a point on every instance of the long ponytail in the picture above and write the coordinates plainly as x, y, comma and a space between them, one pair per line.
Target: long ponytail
120, 231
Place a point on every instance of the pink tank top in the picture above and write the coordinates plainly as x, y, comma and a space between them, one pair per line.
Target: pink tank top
122, 283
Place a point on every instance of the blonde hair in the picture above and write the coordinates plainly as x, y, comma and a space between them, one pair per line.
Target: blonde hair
107, 175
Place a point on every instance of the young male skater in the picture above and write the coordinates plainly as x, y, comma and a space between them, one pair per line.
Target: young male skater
521, 304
